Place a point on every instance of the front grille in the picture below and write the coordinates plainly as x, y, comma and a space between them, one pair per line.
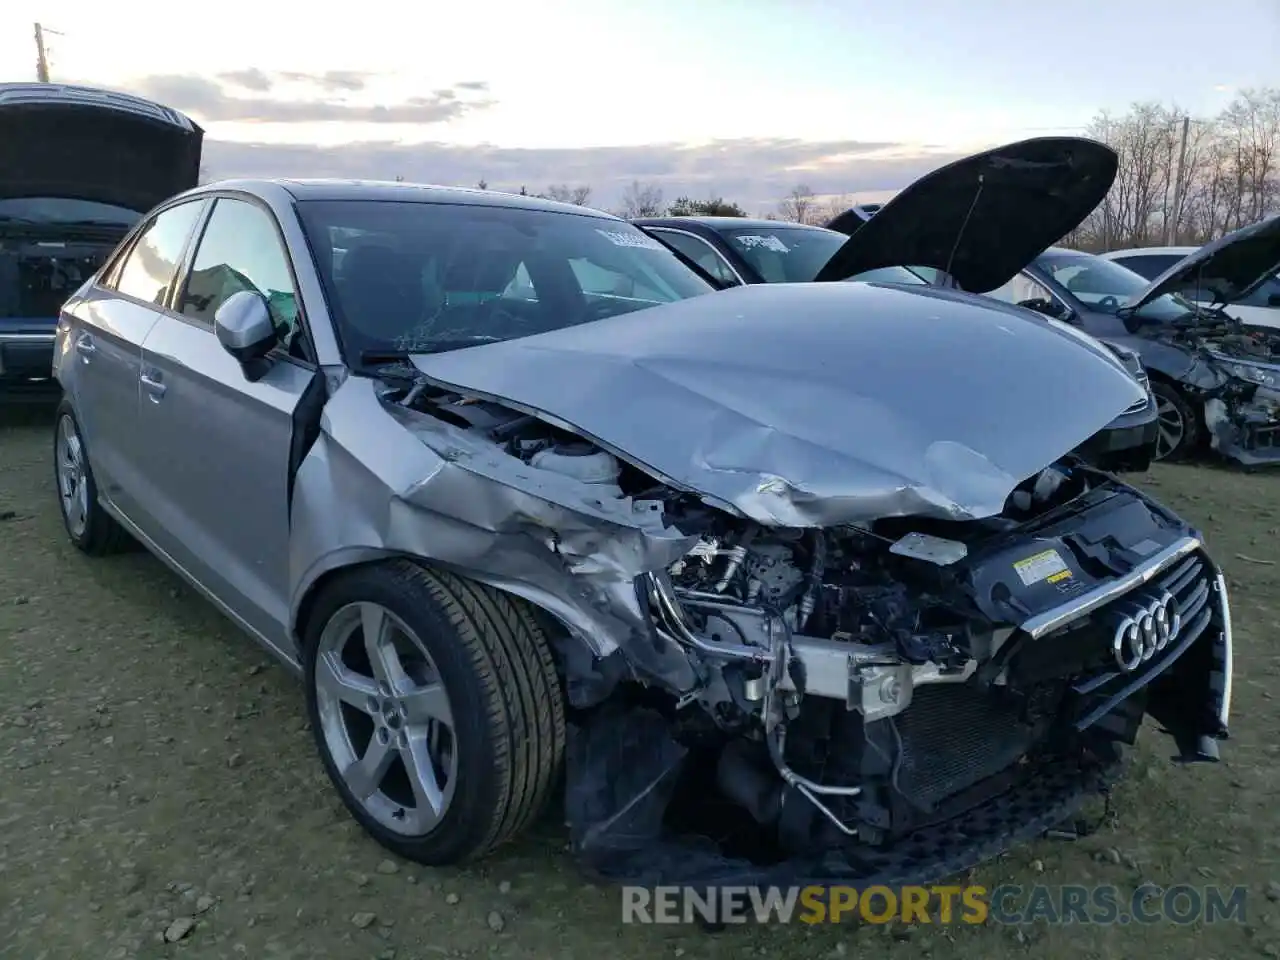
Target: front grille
1190, 582
954, 736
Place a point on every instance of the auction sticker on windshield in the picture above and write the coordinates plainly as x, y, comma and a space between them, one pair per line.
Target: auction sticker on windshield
768, 243
620, 239
1046, 565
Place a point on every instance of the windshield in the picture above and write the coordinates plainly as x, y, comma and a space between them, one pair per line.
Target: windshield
56, 210
784, 254
1105, 286
404, 276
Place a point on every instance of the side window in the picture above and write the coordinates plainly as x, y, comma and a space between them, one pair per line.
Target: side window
1022, 288
1150, 265
1267, 295
240, 250
601, 281
147, 273
701, 253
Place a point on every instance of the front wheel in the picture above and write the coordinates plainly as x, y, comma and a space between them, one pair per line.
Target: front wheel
436, 709
1178, 426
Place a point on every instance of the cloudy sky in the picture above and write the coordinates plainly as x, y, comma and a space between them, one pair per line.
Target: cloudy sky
740, 98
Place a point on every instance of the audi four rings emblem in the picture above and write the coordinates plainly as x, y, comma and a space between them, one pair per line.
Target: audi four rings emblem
1145, 631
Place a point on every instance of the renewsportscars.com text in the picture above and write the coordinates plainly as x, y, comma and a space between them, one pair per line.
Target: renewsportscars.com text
1006, 904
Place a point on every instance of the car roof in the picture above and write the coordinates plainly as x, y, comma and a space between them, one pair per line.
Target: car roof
717, 223
403, 192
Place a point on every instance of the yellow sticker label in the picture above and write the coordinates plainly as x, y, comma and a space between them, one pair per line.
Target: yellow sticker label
1046, 565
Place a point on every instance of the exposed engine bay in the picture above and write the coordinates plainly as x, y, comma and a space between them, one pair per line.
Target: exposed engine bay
37, 277
862, 689
1238, 381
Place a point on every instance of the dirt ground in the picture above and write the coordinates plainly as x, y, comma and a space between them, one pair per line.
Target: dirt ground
155, 765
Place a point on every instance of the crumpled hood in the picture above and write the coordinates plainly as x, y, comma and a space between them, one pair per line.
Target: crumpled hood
1227, 269
983, 218
815, 404
89, 144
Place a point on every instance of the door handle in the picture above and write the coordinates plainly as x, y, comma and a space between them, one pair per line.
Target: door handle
153, 385
85, 346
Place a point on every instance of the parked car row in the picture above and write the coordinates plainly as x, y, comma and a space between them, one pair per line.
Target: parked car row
807, 571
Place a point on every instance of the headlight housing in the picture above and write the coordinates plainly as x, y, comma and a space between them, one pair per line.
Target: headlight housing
1251, 373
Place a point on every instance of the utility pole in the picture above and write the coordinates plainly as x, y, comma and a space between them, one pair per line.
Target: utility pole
1106, 200
42, 60
1171, 222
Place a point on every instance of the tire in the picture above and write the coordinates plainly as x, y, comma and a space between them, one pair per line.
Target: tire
88, 525
1180, 430
501, 748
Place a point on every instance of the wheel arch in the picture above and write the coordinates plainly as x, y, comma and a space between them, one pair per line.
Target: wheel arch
564, 641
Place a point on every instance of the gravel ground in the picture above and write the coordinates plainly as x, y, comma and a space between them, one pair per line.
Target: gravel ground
158, 776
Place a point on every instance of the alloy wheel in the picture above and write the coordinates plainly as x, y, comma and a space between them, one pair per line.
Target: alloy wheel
1170, 427
386, 718
73, 489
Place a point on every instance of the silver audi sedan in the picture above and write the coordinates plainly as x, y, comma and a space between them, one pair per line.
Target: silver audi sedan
524, 501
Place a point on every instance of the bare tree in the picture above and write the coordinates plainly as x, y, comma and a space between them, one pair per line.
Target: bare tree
483, 184
1229, 174
578, 196
800, 205
641, 200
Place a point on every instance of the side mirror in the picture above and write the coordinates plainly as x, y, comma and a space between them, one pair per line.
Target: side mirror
1050, 308
1273, 300
245, 330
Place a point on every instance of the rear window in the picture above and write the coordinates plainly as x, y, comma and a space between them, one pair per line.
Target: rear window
421, 277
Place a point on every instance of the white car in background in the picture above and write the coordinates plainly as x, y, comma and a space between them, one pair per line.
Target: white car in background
1261, 308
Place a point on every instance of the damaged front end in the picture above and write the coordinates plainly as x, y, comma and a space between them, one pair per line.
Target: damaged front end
898, 701
1235, 374
875, 701
1242, 415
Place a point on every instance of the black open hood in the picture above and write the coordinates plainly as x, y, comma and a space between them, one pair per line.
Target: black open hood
90, 144
1226, 270
983, 218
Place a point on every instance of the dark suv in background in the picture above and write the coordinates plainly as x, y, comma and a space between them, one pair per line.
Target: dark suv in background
78, 167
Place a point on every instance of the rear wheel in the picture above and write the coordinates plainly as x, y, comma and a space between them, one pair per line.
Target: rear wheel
88, 525
1179, 427
436, 709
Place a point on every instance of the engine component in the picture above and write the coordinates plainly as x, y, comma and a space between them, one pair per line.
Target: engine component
578, 460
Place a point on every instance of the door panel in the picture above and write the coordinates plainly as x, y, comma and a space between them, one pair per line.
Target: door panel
104, 357
218, 445
104, 353
218, 460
